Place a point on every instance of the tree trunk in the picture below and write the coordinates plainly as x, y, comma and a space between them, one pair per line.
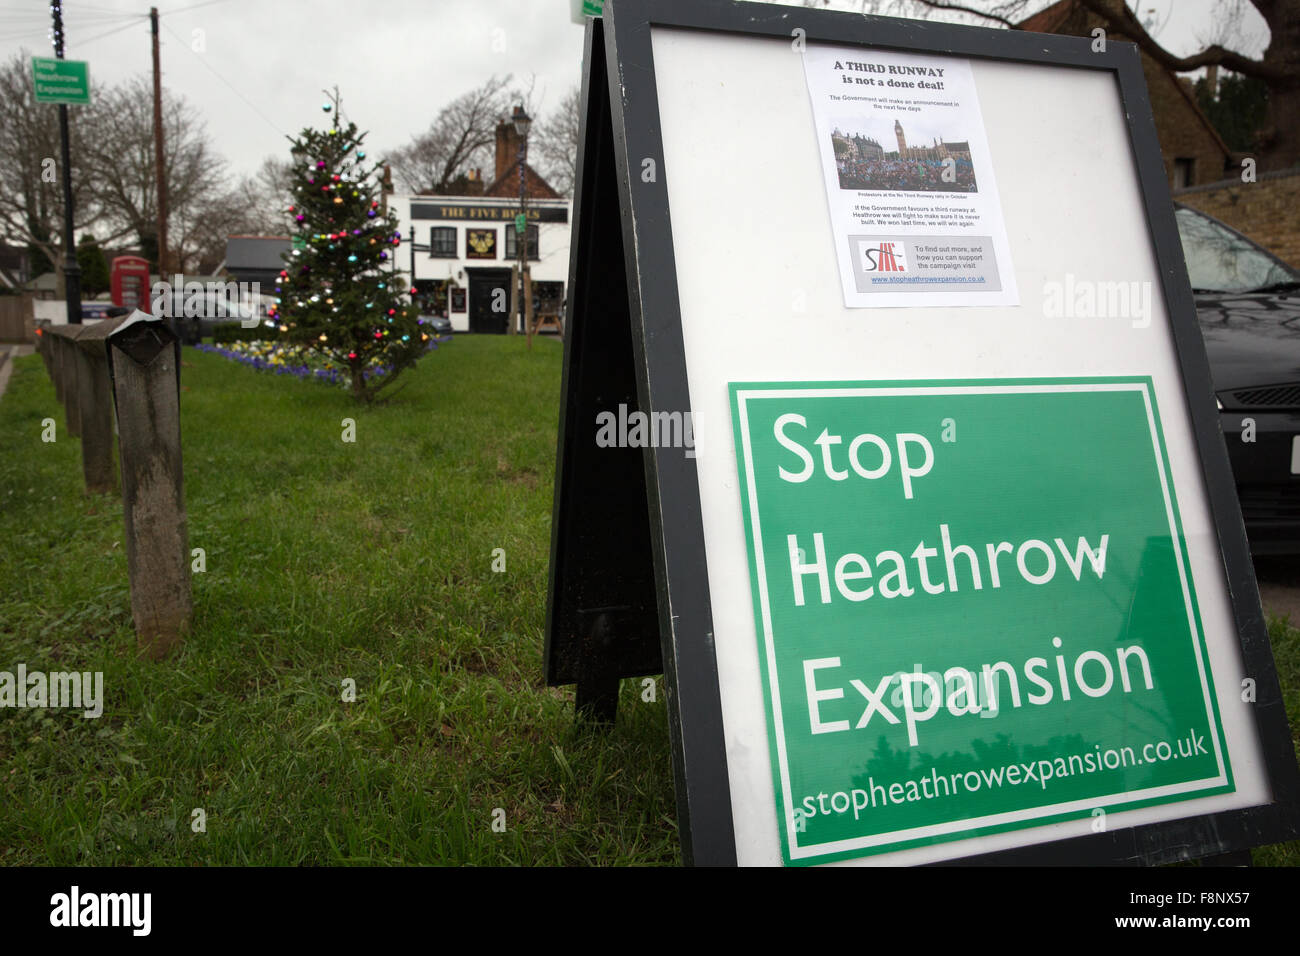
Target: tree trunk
358, 382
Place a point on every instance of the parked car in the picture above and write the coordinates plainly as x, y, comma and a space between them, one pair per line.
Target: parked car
1248, 304
438, 324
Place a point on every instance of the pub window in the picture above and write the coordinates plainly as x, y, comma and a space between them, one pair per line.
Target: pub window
512, 251
442, 243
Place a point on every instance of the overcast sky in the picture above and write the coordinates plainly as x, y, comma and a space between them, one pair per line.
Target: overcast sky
264, 63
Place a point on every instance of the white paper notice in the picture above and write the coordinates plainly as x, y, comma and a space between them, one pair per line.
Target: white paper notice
913, 203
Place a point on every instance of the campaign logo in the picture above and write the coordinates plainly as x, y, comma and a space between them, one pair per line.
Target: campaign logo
885, 256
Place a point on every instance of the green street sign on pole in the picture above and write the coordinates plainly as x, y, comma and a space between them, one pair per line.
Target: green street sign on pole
580, 10
521, 224
968, 621
61, 81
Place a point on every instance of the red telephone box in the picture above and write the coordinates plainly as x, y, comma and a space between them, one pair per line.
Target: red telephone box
129, 282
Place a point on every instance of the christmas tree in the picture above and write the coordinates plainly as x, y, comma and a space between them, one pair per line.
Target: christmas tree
339, 292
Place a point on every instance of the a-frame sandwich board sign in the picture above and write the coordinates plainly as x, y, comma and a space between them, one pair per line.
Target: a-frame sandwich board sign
931, 531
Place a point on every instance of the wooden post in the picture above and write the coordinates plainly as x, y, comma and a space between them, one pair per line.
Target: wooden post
144, 364
43, 347
67, 381
56, 361
71, 405
528, 303
514, 299
95, 396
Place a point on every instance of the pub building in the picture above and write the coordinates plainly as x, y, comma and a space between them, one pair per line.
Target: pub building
464, 245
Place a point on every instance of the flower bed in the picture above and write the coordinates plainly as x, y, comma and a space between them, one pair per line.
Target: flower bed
295, 360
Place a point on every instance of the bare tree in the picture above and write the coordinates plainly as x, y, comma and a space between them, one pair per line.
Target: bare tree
119, 153
460, 137
557, 143
1278, 68
31, 189
267, 196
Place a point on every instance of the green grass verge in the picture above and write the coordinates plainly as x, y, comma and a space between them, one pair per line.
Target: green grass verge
1286, 654
325, 561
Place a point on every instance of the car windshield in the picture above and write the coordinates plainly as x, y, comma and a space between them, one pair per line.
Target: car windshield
1219, 260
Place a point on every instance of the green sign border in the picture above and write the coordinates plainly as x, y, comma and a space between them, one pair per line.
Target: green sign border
1043, 816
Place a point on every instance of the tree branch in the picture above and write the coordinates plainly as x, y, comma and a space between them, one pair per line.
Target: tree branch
1127, 25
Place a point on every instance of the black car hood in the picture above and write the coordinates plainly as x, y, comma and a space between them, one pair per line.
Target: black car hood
1252, 339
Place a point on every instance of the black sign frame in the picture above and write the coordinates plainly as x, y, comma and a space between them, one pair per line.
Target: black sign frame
629, 592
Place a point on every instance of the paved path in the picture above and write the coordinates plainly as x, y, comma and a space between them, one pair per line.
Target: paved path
1279, 586
7, 354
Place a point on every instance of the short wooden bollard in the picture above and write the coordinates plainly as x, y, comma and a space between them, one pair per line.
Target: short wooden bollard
43, 345
57, 354
95, 400
144, 361
69, 370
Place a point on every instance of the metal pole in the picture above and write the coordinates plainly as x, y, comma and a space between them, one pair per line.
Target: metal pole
522, 241
160, 172
71, 271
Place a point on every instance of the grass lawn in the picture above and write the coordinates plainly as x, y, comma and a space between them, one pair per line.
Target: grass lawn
327, 561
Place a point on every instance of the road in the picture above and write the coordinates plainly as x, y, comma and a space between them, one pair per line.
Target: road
1279, 586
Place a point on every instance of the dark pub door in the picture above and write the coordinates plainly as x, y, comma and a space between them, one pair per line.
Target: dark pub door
488, 288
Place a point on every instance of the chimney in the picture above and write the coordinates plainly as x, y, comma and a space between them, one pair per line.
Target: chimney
507, 147
1212, 80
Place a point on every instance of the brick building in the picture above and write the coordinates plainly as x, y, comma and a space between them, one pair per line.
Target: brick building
1264, 211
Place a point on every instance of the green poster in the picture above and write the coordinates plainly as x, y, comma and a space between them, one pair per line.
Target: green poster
973, 608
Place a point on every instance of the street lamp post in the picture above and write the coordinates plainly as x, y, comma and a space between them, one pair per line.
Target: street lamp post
521, 122
71, 270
